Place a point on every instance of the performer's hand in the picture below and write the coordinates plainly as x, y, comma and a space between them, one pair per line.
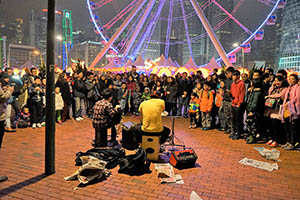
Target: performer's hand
117, 107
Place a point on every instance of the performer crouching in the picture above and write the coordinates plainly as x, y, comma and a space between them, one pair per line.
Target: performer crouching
105, 116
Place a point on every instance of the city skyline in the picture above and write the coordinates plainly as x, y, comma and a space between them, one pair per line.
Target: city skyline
81, 22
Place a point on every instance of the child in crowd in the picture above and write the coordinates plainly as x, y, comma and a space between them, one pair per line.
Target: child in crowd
219, 106
59, 104
123, 97
146, 94
24, 120
36, 94
137, 100
206, 99
194, 110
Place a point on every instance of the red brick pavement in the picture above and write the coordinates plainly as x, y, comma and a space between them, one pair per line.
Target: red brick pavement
218, 176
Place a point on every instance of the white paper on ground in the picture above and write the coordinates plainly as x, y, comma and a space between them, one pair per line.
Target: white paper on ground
166, 174
194, 196
259, 164
268, 154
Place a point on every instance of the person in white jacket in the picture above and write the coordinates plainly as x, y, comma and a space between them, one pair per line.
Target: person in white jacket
59, 104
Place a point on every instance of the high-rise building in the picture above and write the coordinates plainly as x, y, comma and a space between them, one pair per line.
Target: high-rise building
289, 53
18, 55
38, 33
86, 51
14, 31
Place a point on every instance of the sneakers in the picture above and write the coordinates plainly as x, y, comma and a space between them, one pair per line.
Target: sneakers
78, 119
274, 144
3, 178
43, 123
34, 125
289, 147
81, 118
227, 131
194, 126
269, 142
285, 145
250, 140
59, 122
39, 125
231, 135
221, 129
190, 126
236, 137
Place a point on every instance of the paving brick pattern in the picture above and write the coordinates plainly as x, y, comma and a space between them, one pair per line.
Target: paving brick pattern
217, 176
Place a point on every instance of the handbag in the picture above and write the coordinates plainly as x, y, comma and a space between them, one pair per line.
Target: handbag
270, 103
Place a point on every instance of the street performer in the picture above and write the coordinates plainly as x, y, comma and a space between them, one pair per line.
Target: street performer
151, 120
105, 116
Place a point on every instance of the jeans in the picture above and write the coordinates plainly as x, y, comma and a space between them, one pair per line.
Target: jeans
123, 103
183, 102
79, 105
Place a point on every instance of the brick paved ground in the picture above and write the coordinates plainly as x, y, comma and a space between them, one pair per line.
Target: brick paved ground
219, 175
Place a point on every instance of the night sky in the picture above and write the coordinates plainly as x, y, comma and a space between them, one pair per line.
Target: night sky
250, 13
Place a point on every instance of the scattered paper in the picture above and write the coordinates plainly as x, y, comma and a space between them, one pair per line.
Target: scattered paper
194, 196
166, 174
268, 154
259, 164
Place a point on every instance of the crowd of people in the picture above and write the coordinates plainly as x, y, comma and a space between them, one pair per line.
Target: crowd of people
261, 106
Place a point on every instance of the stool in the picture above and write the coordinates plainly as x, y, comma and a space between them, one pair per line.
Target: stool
151, 144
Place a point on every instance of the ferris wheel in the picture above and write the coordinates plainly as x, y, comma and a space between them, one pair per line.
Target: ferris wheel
196, 27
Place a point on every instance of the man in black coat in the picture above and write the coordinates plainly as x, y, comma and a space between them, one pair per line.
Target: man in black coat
79, 96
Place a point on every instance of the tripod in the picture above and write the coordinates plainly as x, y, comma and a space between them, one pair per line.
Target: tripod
171, 139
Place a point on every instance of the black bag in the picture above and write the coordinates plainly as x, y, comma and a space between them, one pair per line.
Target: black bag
134, 164
183, 159
111, 156
129, 137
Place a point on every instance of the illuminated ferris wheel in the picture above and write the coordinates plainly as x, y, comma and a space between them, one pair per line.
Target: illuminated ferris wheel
133, 27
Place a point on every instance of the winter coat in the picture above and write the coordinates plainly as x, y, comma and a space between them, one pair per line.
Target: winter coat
91, 89
65, 92
206, 99
171, 93
238, 93
292, 99
184, 85
24, 120
79, 89
219, 100
131, 87
123, 94
227, 94
59, 102
35, 96
277, 93
194, 105
137, 98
